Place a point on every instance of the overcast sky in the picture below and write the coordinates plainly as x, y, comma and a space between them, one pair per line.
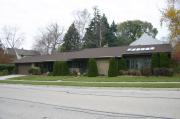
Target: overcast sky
30, 15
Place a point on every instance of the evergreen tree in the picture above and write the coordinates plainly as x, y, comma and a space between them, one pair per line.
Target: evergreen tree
60, 68
112, 38
113, 68
71, 39
97, 34
164, 60
89, 39
92, 68
104, 31
155, 60
92, 37
122, 64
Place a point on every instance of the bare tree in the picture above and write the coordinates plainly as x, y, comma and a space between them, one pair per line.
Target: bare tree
82, 19
49, 39
11, 37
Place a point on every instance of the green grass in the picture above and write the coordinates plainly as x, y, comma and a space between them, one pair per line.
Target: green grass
101, 81
97, 84
101, 78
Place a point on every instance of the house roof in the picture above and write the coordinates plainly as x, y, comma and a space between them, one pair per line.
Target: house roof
23, 52
146, 39
97, 53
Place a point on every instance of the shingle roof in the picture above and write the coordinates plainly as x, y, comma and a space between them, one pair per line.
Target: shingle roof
95, 53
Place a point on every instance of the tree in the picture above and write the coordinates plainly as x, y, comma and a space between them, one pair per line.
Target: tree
129, 31
92, 68
49, 39
71, 39
164, 60
4, 58
171, 16
98, 32
60, 68
112, 36
104, 31
11, 37
113, 68
122, 64
160, 60
92, 35
155, 60
82, 19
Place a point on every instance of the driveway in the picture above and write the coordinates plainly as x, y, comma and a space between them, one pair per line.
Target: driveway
48, 102
10, 76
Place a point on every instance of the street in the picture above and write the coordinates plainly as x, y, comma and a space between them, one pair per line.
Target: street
54, 102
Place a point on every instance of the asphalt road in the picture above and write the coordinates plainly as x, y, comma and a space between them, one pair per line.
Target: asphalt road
47, 102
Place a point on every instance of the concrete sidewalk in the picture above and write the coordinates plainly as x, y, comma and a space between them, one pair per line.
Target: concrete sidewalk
10, 76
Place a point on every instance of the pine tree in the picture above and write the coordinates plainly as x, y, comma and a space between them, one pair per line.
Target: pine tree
112, 38
92, 68
104, 31
113, 68
71, 39
97, 33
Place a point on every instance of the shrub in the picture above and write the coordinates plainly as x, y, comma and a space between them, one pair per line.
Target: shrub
163, 71
164, 60
113, 68
50, 74
92, 68
123, 72
155, 60
35, 70
4, 72
176, 67
10, 68
134, 72
65, 69
122, 64
44, 70
146, 71
60, 68
55, 69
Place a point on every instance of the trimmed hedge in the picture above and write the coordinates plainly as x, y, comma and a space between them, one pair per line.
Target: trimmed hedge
8, 67
60, 68
92, 68
113, 68
122, 64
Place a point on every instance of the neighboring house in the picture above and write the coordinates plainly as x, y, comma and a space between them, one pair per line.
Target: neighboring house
20, 53
136, 54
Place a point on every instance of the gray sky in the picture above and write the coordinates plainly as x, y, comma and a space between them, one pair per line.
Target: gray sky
30, 15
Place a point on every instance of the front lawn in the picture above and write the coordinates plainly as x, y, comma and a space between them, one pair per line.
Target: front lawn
101, 78
101, 81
